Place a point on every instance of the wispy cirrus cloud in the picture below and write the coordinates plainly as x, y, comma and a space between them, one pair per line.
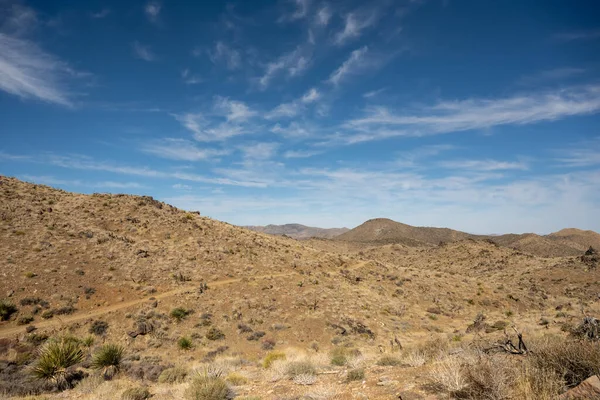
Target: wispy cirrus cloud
578, 35
17, 19
356, 63
293, 108
354, 25
555, 74
260, 151
101, 14
323, 15
484, 165
29, 72
471, 114
189, 78
583, 154
152, 10
290, 64
299, 10
143, 52
51, 180
301, 153
223, 53
181, 149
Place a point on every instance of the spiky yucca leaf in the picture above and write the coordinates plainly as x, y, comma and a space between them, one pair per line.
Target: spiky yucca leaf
108, 359
54, 359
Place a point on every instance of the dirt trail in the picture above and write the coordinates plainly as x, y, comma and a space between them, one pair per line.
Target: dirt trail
56, 321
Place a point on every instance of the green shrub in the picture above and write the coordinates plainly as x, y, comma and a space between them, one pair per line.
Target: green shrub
236, 379
215, 334
205, 387
179, 313
47, 314
357, 374
297, 368
173, 375
273, 356
137, 393
99, 327
388, 361
24, 320
54, 360
338, 356
7, 309
88, 341
184, 343
108, 359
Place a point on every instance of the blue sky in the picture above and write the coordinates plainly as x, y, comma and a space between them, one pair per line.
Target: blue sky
481, 116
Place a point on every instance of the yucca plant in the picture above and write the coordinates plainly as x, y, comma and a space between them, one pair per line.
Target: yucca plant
108, 359
54, 360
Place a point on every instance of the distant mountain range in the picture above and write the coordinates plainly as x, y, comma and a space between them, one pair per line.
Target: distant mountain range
567, 242
298, 231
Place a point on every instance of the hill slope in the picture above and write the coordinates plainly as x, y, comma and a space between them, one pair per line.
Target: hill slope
299, 231
383, 230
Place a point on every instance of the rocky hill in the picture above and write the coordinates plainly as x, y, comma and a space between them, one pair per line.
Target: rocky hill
299, 231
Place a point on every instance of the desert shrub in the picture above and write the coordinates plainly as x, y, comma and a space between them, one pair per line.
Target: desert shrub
256, 335
7, 309
272, 357
537, 384
414, 358
205, 387
47, 314
136, 393
357, 374
296, 368
65, 310
215, 334
173, 375
30, 274
108, 359
236, 379
89, 384
144, 371
388, 361
338, 356
268, 344
449, 375
244, 328
179, 313
24, 320
487, 378
99, 327
304, 379
32, 301
88, 341
571, 361
184, 343
54, 361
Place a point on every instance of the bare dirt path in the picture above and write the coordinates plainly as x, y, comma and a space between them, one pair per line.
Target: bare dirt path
12, 330
56, 321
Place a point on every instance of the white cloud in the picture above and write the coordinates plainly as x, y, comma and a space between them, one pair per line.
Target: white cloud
260, 151
50, 180
356, 63
234, 110
180, 149
180, 186
29, 72
374, 93
189, 78
300, 11
152, 11
455, 116
484, 165
354, 26
300, 153
578, 35
551, 75
143, 52
323, 15
17, 19
226, 54
293, 63
311, 96
293, 130
284, 110
584, 154
101, 14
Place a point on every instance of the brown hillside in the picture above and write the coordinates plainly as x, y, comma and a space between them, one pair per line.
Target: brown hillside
543, 246
383, 230
299, 231
70, 261
576, 238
